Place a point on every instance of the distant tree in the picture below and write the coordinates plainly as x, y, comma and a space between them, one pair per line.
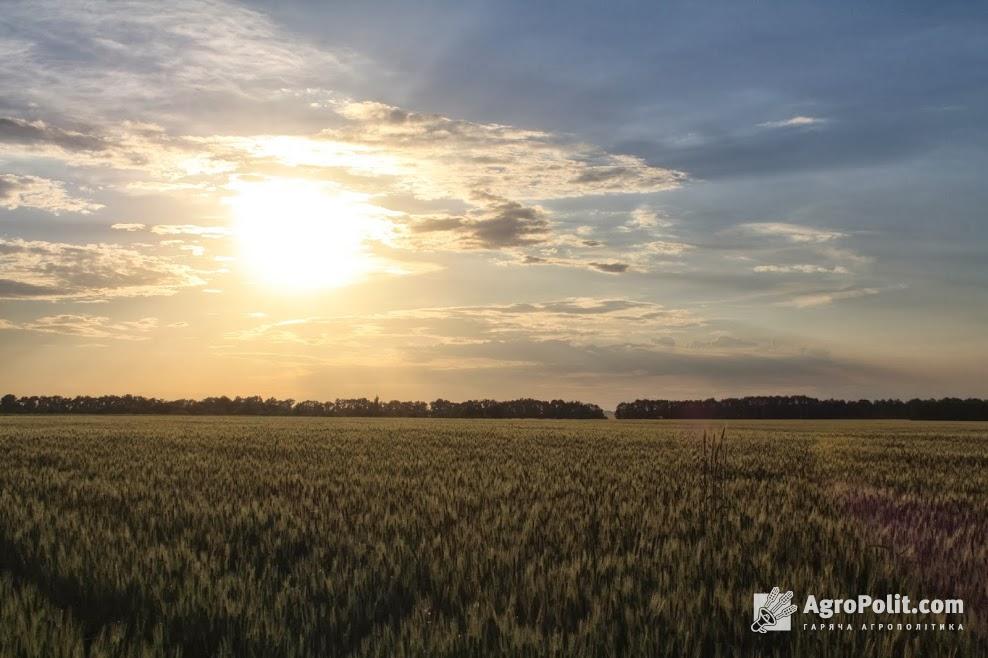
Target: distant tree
800, 406
754, 407
8, 404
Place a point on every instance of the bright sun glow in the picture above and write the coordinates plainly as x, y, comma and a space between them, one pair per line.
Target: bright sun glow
302, 235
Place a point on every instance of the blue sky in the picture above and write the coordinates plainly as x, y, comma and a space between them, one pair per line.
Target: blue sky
590, 200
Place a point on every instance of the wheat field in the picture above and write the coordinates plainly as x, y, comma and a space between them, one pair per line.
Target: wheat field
155, 536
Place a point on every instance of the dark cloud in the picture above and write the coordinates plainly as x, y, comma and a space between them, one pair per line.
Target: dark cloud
610, 268
499, 223
509, 224
11, 289
615, 177
19, 131
437, 224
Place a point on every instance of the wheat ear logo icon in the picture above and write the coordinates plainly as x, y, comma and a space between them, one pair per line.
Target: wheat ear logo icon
775, 608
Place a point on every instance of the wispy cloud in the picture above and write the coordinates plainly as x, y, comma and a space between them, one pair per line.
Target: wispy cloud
141, 56
404, 334
20, 131
191, 229
722, 342
801, 269
791, 232
793, 122
647, 218
91, 326
829, 297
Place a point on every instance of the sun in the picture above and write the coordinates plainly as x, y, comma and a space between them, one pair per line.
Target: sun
301, 235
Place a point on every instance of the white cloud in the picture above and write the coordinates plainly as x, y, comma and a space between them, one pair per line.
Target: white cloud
793, 122
41, 193
801, 269
191, 229
128, 227
434, 156
791, 232
143, 54
666, 248
646, 218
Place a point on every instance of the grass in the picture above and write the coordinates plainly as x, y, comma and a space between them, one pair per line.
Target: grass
153, 536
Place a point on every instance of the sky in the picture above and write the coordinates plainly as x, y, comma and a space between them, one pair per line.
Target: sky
594, 201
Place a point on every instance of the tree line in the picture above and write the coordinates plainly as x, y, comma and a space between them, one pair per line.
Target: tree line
755, 407
258, 406
801, 406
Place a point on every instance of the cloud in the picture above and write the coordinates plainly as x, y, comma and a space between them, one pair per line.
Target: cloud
791, 232
610, 268
437, 224
607, 267
666, 248
793, 122
20, 131
503, 160
824, 298
41, 193
191, 229
128, 227
616, 345
138, 56
164, 161
505, 223
578, 320
876, 137
801, 269
575, 306
497, 173
434, 157
58, 271
498, 223
634, 364
530, 238
647, 218
722, 342
92, 326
